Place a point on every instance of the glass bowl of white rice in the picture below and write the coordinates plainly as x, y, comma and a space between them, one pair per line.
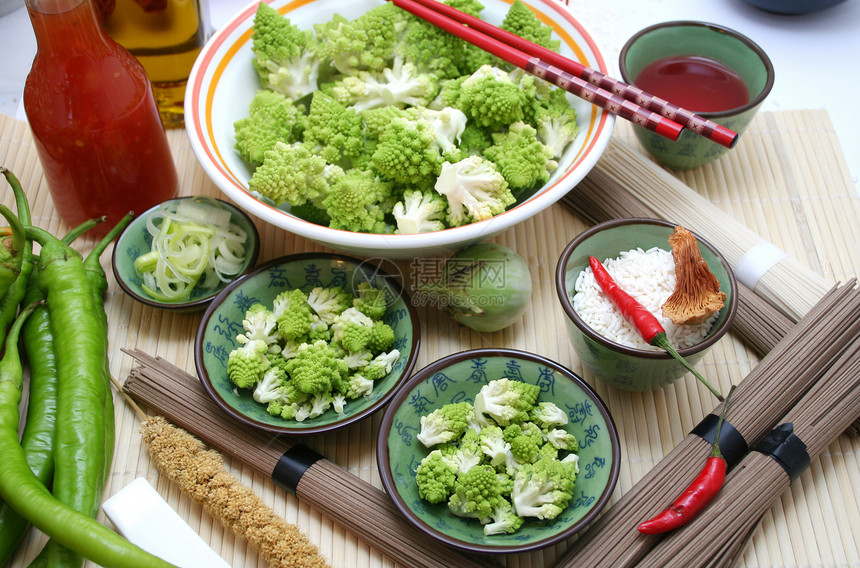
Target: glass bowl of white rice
637, 254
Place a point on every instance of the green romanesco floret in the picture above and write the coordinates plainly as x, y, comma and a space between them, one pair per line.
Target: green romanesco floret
555, 121
366, 43
284, 55
523, 160
467, 452
319, 404
358, 386
334, 130
399, 85
371, 300
292, 173
272, 117
358, 202
494, 445
381, 365
411, 151
352, 330
446, 423
381, 336
503, 520
488, 96
260, 323
474, 189
329, 301
271, 386
477, 494
543, 489
525, 443
294, 315
548, 415
506, 401
317, 369
435, 476
561, 439
420, 212
432, 49
247, 364
358, 359
522, 21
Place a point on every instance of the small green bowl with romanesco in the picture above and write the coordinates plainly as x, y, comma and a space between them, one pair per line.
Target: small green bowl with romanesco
498, 451
307, 343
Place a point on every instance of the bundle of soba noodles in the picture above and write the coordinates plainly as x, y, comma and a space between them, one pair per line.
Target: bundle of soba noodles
761, 400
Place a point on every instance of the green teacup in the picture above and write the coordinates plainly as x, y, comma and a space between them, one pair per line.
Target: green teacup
705, 40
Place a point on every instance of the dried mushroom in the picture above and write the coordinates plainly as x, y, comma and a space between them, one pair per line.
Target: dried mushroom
697, 293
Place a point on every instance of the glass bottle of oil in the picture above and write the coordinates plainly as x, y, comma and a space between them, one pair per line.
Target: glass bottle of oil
166, 36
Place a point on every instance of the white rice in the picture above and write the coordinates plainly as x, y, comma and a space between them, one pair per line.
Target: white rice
648, 276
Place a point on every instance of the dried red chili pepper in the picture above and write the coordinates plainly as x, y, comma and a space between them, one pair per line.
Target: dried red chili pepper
639, 317
698, 494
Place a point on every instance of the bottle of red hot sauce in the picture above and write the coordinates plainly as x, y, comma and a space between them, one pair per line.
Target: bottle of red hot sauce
94, 119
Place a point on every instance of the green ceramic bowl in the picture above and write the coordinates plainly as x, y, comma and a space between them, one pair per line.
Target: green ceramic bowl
216, 336
136, 240
459, 377
617, 365
703, 39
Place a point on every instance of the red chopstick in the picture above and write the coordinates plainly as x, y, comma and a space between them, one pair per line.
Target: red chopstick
615, 96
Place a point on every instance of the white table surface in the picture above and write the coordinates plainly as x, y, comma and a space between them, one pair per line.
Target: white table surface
816, 56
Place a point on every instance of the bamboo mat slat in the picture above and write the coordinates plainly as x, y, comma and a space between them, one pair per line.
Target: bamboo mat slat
786, 180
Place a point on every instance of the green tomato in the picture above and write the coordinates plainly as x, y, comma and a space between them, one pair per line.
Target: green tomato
486, 287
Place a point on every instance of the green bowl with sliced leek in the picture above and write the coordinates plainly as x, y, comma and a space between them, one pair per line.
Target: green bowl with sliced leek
134, 253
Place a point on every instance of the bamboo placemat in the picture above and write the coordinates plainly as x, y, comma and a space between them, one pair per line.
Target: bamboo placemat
787, 180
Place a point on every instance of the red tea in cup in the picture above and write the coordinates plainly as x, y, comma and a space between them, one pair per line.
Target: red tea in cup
698, 84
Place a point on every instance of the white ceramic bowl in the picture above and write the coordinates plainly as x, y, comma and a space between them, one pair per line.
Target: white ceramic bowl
223, 82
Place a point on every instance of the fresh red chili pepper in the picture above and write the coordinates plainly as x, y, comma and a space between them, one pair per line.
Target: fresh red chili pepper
639, 317
698, 494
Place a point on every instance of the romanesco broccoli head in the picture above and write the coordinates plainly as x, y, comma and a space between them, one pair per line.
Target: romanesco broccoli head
293, 314
370, 300
445, 424
335, 130
435, 476
399, 85
381, 365
260, 323
365, 43
555, 121
523, 160
381, 336
317, 369
561, 439
477, 493
420, 212
488, 96
494, 445
547, 415
475, 190
408, 151
432, 49
506, 401
522, 21
525, 442
358, 386
271, 386
504, 520
329, 301
272, 117
358, 201
247, 364
284, 55
291, 173
352, 330
542, 489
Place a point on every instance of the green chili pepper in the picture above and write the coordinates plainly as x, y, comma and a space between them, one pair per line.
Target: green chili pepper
27, 495
82, 391
16, 289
